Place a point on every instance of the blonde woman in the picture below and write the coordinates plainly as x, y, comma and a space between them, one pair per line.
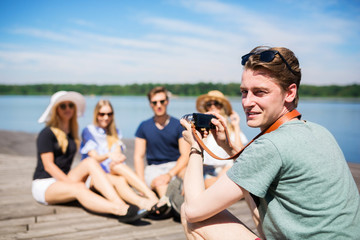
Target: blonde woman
102, 141
54, 181
215, 101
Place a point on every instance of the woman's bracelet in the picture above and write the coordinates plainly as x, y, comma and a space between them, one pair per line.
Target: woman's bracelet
195, 151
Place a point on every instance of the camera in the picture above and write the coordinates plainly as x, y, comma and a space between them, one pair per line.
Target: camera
201, 121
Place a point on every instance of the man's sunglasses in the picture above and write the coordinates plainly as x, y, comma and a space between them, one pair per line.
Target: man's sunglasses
214, 102
63, 106
155, 102
266, 56
103, 114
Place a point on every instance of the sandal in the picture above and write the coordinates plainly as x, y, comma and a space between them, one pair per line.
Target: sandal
133, 214
163, 209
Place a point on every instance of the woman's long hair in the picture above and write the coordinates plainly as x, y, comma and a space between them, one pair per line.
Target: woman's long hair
54, 124
111, 133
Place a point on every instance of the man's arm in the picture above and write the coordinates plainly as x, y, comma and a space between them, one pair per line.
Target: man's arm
201, 203
184, 149
139, 154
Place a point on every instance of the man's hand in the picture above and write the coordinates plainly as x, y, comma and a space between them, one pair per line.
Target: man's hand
161, 180
188, 134
219, 132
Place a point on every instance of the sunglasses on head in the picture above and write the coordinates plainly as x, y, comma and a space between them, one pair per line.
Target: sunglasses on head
63, 106
161, 102
213, 102
103, 114
266, 56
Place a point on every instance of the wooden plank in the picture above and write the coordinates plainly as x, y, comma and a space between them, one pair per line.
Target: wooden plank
13, 229
24, 210
64, 216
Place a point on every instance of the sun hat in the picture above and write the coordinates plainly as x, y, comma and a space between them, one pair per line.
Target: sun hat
211, 96
62, 96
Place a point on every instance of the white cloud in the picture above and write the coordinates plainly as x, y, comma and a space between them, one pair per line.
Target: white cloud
82, 22
44, 34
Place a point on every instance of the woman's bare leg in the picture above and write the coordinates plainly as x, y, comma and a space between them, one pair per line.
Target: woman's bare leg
134, 180
101, 182
128, 194
224, 225
62, 192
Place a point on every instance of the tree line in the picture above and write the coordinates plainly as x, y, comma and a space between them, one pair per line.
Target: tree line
196, 89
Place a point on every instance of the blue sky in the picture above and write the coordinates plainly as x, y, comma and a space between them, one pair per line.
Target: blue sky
183, 41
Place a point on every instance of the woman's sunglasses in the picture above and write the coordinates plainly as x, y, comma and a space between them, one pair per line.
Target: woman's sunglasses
214, 102
266, 56
161, 102
63, 106
103, 114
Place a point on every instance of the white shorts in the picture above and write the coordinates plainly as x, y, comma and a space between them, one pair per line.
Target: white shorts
155, 170
39, 187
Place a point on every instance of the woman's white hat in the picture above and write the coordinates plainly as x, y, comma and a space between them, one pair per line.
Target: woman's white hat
62, 96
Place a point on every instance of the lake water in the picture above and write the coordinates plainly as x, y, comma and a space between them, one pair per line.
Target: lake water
341, 117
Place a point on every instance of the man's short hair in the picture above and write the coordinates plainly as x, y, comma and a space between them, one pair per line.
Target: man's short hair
157, 90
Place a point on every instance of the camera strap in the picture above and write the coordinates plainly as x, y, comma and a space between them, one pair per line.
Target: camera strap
286, 117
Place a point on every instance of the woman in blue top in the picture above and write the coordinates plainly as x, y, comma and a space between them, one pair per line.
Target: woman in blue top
54, 181
102, 141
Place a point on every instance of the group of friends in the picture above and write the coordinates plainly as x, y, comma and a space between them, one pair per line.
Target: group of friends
293, 176
126, 193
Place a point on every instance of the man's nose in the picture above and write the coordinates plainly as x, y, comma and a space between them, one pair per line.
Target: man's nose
248, 100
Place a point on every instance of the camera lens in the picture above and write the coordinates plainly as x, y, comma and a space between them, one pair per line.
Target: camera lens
189, 117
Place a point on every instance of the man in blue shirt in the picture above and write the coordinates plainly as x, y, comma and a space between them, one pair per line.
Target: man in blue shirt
160, 139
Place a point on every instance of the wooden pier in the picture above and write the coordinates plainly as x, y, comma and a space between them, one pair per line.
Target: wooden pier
21, 217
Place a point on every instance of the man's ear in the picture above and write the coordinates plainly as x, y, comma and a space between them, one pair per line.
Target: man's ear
291, 93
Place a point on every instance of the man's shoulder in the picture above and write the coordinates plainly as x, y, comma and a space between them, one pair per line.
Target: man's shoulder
174, 120
147, 121
144, 125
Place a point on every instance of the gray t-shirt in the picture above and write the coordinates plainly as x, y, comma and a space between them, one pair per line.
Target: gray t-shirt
305, 187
